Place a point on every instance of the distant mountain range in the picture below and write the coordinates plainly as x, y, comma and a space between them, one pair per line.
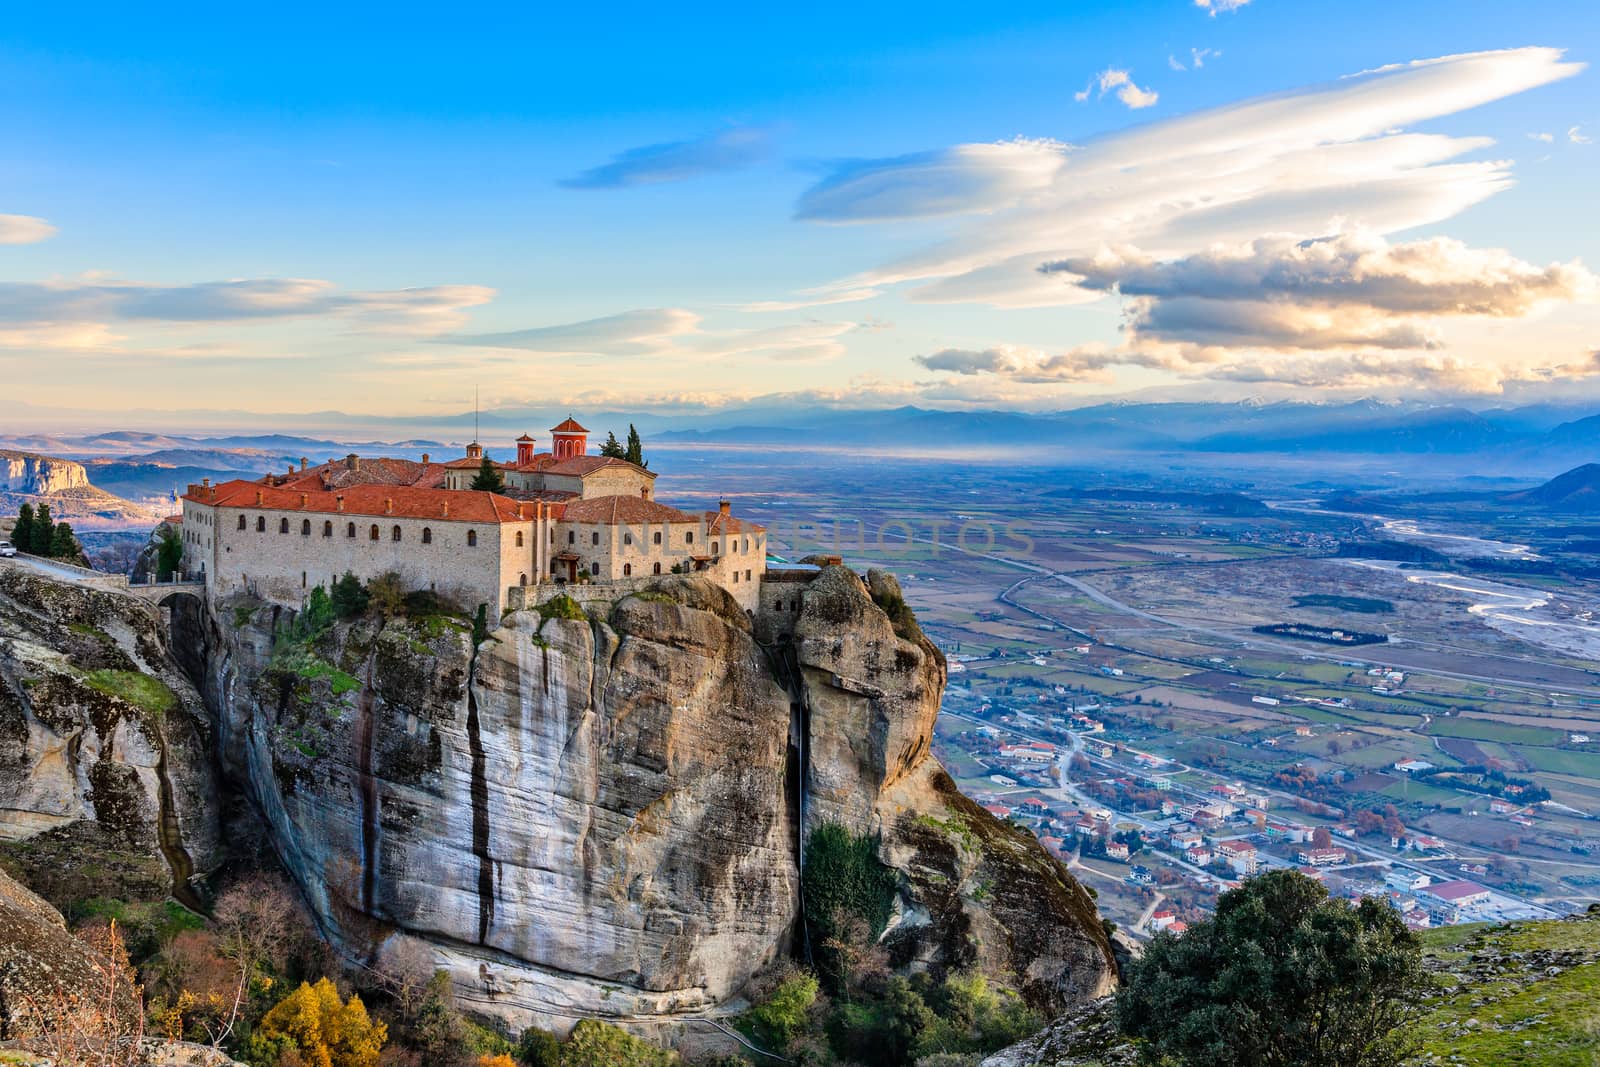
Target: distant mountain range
1577, 490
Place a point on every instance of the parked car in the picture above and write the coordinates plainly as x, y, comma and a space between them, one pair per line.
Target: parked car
7, 549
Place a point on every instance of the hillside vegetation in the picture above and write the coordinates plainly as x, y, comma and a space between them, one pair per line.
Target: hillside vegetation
1524, 994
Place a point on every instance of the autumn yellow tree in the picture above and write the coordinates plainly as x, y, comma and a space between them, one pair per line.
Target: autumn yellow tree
323, 1031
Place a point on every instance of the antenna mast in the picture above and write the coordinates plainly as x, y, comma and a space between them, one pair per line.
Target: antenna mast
475, 436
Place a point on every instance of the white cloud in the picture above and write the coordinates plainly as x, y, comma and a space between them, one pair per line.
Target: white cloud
24, 230
1577, 137
1121, 81
669, 333
97, 300
676, 160
1352, 290
1200, 55
1547, 138
1212, 7
1174, 63
1329, 159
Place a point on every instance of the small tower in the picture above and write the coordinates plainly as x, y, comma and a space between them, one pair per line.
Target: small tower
474, 451
569, 440
524, 450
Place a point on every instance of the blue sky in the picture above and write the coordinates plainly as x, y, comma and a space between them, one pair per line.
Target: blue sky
372, 208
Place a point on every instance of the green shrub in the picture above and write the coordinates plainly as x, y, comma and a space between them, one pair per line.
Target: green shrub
140, 690
349, 596
561, 606
597, 1044
843, 880
538, 1048
777, 1021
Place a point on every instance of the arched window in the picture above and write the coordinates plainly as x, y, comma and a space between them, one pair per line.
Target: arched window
519, 538
524, 579
747, 544
372, 534
350, 529
472, 538
283, 526
594, 538
241, 521
658, 537
572, 537
261, 524
305, 527
394, 534
658, 568
627, 538
627, 570
594, 568
716, 548
327, 528
427, 535
688, 537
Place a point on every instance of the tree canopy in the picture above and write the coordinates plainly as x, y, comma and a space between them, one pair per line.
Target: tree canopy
1281, 976
488, 479
22, 531
40, 532
613, 448
634, 453
313, 1022
169, 553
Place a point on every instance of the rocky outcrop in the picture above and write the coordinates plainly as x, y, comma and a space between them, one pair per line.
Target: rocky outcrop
602, 812
33, 474
107, 786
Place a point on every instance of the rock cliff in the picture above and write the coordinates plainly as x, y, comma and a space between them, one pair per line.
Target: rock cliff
602, 812
30, 473
104, 750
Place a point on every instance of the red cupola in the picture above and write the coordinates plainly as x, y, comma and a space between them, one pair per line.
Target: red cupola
524, 450
568, 440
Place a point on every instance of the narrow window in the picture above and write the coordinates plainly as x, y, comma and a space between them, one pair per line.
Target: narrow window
327, 528
524, 580
594, 538
241, 522
372, 534
627, 538
572, 537
283, 526
350, 529
427, 535
302, 579
472, 538
305, 527
519, 540
627, 569
594, 568
688, 538
261, 524
747, 574
736, 576
394, 535
716, 548
657, 537
658, 568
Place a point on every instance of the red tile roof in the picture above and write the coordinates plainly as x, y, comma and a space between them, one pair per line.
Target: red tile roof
570, 425
717, 522
468, 463
409, 502
611, 510
524, 437
377, 470
1455, 890
578, 466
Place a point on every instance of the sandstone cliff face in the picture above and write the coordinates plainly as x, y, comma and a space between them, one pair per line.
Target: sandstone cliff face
603, 815
104, 751
27, 472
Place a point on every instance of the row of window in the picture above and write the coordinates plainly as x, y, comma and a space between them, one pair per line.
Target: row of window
374, 533
627, 539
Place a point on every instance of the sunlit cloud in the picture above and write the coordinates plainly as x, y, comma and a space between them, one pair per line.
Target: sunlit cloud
1577, 137
1214, 7
24, 230
669, 333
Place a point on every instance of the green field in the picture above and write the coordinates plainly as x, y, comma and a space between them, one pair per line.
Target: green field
1563, 761
1489, 730
1359, 604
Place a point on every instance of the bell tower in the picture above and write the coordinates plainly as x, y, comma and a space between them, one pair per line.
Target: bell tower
568, 440
524, 450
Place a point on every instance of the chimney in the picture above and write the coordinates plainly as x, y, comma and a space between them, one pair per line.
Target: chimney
260, 496
205, 483
388, 505
424, 457
305, 498
338, 502
353, 461
304, 463
724, 506
446, 507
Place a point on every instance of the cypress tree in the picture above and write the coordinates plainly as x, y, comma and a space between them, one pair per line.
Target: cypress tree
488, 478
63, 545
40, 533
635, 451
22, 532
613, 447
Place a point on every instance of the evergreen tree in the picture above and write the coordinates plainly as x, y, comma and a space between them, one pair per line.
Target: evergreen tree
635, 451
349, 596
22, 532
169, 554
488, 479
40, 533
63, 545
613, 447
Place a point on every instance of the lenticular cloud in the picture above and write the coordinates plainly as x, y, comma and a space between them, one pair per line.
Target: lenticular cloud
1330, 159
